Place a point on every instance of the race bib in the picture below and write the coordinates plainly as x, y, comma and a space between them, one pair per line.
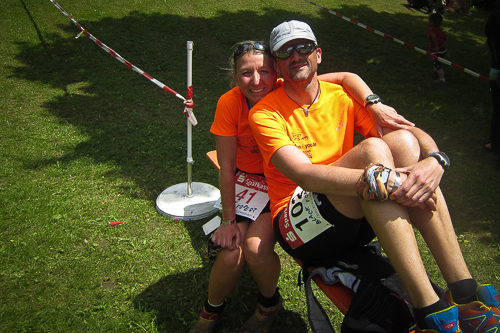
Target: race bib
251, 195
301, 220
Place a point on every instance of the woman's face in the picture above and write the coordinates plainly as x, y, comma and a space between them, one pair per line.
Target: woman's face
255, 75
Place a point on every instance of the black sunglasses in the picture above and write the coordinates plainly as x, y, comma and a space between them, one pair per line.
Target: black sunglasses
244, 48
301, 49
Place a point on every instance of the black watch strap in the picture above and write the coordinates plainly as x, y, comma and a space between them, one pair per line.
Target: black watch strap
442, 158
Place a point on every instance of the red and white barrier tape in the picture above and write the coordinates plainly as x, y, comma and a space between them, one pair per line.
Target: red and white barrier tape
188, 103
449, 63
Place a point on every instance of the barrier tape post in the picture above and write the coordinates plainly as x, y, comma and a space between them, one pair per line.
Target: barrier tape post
188, 201
444, 61
190, 161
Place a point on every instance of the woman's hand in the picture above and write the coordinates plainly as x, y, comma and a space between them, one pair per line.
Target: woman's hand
228, 236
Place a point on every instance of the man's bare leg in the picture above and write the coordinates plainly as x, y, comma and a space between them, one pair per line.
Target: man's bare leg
390, 222
435, 226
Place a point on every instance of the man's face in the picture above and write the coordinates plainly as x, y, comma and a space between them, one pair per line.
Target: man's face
299, 67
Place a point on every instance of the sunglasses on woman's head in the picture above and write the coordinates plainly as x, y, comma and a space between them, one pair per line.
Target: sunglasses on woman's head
244, 48
301, 49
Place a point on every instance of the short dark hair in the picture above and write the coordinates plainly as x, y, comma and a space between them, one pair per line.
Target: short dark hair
436, 19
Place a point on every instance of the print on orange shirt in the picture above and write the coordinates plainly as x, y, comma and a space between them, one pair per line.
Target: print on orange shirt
301, 141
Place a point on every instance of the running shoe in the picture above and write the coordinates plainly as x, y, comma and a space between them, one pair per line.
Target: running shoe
262, 319
445, 321
206, 323
481, 316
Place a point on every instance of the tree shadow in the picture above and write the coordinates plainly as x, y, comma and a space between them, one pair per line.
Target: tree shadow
177, 310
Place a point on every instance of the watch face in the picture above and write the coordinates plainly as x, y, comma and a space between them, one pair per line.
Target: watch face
442, 159
445, 159
372, 99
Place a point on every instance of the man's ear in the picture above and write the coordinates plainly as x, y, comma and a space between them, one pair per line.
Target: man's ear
276, 67
318, 55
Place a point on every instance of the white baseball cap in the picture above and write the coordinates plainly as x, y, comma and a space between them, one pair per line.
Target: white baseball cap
288, 31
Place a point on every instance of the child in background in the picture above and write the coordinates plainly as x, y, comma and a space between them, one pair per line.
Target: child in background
436, 45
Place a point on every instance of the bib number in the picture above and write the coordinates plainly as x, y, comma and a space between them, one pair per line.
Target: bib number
301, 220
251, 195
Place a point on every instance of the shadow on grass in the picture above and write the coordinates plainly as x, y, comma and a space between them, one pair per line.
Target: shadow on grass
177, 310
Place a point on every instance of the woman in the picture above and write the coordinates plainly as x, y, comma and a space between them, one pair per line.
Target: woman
244, 241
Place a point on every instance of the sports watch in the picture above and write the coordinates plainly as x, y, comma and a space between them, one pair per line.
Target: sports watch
442, 158
372, 99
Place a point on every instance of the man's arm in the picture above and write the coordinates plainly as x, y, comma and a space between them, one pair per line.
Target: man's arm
327, 179
383, 115
419, 180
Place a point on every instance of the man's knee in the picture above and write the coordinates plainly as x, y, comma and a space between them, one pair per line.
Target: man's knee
404, 146
376, 150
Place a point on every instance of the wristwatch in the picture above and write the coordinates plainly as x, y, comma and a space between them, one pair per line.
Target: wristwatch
372, 99
442, 158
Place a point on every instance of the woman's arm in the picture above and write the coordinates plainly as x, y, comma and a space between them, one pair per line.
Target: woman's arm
383, 115
227, 236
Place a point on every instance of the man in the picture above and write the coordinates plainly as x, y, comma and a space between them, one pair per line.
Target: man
328, 197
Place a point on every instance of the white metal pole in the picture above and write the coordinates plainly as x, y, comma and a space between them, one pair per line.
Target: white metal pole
198, 203
189, 125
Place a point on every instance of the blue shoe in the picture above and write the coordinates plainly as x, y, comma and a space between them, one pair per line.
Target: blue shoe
445, 321
481, 316
487, 295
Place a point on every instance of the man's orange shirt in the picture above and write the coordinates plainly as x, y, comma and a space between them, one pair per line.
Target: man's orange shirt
324, 136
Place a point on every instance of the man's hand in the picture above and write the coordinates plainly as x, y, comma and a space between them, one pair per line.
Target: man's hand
419, 188
386, 116
227, 236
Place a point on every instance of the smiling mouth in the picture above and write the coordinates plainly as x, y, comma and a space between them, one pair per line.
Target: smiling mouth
298, 66
257, 90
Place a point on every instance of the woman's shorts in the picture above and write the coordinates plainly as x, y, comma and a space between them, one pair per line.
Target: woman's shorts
311, 229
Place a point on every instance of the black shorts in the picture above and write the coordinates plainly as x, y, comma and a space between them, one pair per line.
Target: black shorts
311, 229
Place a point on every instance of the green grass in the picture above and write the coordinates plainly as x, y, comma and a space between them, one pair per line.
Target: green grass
85, 141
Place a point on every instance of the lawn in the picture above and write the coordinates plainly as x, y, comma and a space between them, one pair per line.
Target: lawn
85, 141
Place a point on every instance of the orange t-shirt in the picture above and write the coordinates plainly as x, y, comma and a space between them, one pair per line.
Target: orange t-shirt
324, 136
231, 119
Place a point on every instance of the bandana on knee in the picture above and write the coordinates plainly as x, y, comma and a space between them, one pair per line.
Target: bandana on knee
372, 185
